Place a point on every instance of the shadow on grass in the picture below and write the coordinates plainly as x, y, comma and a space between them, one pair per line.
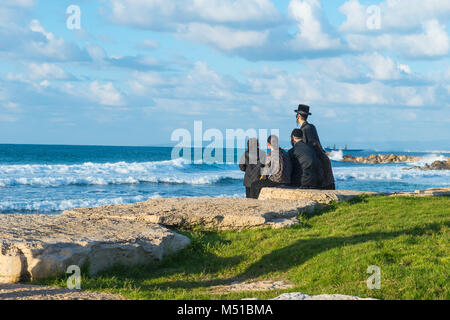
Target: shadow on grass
333, 206
294, 255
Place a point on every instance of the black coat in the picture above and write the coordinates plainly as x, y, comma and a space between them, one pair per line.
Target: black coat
311, 138
305, 166
252, 170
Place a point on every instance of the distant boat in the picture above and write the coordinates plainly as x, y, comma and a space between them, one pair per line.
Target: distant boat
329, 149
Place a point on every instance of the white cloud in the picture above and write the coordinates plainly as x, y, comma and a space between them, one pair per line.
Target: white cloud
433, 42
399, 15
169, 14
7, 118
148, 44
106, 94
311, 35
46, 71
383, 67
51, 47
224, 38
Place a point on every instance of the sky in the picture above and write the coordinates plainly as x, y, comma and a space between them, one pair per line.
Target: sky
375, 73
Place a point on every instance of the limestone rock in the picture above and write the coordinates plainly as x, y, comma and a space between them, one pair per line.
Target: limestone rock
209, 213
436, 192
380, 158
323, 197
437, 165
251, 286
41, 246
302, 296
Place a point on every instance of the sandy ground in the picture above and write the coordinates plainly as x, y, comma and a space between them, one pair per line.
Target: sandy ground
32, 292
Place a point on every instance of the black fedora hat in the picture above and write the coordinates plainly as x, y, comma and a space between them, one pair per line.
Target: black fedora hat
303, 109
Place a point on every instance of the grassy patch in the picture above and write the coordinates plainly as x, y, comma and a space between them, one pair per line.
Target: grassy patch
328, 252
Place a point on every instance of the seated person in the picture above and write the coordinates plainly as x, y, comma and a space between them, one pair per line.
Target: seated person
277, 170
251, 163
305, 164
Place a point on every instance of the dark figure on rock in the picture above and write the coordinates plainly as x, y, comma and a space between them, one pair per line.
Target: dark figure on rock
277, 170
311, 138
251, 163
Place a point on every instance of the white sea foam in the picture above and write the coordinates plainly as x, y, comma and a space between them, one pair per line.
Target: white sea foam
174, 171
60, 205
45, 206
336, 155
429, 159
387, 173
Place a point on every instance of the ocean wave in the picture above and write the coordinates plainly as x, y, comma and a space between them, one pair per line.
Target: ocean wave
336, 155
429, 159
177, 171
386, 173
54, 206
46, 206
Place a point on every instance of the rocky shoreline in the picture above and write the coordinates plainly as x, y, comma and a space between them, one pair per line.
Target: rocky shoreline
42, 246
437, 165
381, 158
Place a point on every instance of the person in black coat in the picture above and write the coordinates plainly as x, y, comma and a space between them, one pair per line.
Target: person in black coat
305, 164
311, 138
251, 163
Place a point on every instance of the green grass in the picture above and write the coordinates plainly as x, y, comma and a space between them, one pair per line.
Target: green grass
329, 252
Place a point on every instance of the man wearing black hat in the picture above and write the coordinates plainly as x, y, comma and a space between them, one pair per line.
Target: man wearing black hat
311, 138
306, 170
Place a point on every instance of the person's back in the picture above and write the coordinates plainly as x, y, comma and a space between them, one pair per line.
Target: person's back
305, 165
311, 138
278, 167
251, 162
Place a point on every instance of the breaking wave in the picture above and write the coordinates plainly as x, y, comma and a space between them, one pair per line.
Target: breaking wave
386, 173
336, 155
171, 172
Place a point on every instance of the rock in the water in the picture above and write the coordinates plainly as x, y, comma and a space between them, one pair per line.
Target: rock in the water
42, 246
323, 197
209, 213
380, 158
437, 165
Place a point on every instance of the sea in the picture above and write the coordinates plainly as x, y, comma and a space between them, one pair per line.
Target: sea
48, 179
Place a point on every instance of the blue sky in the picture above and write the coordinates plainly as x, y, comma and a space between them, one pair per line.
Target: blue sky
139, 69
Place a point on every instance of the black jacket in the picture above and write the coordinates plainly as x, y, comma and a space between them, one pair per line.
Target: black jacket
305, 166
310, 135
252, 170
311, 138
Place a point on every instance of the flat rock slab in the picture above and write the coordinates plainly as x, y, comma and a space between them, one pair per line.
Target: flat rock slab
32, 292
251, 286
323, 197
42, 246
436, 192
302, 296
209, 213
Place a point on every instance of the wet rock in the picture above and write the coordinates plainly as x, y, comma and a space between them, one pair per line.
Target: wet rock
381, 158
436, 165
